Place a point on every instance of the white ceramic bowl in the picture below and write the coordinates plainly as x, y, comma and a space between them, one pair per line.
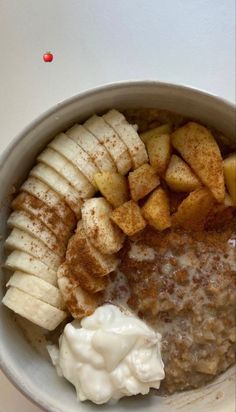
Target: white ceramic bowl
32, 374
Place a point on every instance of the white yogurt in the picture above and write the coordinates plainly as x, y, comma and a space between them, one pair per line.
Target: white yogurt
110, 354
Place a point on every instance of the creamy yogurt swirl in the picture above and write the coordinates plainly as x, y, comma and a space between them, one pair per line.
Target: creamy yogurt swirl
110, 354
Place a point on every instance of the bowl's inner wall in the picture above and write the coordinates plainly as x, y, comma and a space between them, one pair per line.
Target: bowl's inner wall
33, 374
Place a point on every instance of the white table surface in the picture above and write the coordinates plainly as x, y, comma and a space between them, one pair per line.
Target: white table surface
98, 41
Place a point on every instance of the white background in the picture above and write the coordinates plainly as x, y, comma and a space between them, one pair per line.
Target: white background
98, 41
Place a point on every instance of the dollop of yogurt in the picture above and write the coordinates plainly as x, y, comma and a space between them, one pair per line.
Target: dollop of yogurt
110, 354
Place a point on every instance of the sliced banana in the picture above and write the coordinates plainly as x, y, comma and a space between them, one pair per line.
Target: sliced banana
91, 284
35, 207
42, 191
110, 139
93, 147
24, 262
67, 170
98, 227
21, 240
38, 288
76, 155
60, 185
36, 311
96, 263
129, 136
87, 280
24, 221
79, 302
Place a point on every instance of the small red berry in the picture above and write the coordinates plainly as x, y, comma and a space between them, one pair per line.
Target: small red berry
48, 57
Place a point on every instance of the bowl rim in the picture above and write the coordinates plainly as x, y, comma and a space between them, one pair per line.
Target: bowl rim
98, 89
53, 110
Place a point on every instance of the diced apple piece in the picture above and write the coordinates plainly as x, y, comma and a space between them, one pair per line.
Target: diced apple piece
157, 131
142, 181
230, 175
157, 210
199, 149
159, 152
129, 218
228, 202
208, 366
194, 209
180, 177
113, 186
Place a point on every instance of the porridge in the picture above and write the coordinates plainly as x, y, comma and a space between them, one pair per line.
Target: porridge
184, 285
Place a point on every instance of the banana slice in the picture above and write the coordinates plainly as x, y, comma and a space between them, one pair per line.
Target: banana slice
110, 139
38, 312
25, 263
20, 240
129, 136
98, 227
43, 192
76, 155
79, 302
86, 279
60, 185
45, 214
88, 282
24, 221
91, 145
67, 170
37, 288
96, 263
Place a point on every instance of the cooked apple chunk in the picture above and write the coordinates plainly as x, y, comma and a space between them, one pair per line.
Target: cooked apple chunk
157, 131
230, 175
113, 186
180, 177
142, 181
228, 201
199, 149
129, 218
194, 209
159, 152
157, 210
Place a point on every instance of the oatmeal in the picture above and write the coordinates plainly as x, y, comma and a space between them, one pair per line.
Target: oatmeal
183, 284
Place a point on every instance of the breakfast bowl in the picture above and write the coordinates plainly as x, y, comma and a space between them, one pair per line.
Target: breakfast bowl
25, 367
